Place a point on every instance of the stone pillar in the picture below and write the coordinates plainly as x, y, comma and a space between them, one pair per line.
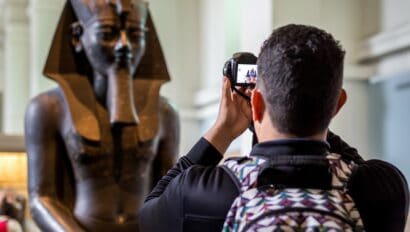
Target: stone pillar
16, 65
44, 16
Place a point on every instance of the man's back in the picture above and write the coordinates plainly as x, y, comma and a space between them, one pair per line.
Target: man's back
199, 198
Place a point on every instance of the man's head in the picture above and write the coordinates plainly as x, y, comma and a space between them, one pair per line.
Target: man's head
300, 80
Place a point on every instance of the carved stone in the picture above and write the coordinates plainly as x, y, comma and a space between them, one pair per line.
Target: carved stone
98, 142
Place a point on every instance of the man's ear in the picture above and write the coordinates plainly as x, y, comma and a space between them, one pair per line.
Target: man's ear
76, 32
258, 105
341, 102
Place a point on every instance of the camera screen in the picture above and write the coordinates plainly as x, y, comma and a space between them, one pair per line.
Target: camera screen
247, 74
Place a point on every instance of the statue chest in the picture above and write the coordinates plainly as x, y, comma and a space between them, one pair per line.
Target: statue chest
119, 154
113, 143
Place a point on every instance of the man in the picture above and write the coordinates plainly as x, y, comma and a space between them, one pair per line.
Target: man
298, 92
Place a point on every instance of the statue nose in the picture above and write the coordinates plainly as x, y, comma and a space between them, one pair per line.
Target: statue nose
123, 46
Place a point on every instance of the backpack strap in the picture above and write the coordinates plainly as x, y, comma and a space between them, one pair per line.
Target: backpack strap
244, 171
341, 171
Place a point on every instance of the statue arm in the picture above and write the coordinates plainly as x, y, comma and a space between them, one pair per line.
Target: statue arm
169, 141
41, 133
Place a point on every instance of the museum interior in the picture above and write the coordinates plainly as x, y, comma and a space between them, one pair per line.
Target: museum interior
197, 37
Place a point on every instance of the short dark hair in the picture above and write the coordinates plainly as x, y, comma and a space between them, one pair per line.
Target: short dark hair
300, 76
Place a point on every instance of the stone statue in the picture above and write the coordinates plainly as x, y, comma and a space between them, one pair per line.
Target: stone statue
98, 142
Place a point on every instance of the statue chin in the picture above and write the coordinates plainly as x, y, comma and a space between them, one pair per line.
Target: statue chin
120, 98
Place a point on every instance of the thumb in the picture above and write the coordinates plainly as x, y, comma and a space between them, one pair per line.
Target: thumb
226, 89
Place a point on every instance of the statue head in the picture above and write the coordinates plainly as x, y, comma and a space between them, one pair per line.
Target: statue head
111, 33
112, 42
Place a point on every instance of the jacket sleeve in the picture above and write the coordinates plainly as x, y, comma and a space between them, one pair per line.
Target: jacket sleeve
381, 194
337, 145
165, 200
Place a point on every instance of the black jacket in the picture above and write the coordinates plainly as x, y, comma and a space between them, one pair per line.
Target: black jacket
196, 194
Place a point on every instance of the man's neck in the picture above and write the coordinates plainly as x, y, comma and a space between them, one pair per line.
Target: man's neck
273, 134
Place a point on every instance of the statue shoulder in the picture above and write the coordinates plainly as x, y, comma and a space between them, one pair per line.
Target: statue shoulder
45, 107
167, 109
169, 119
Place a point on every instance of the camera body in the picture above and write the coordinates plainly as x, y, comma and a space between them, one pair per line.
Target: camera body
241, 69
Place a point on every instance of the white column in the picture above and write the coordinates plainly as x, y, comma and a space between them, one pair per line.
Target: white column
177, 24
227, 27
212, 49
256, 24
1, 65
44, 16
16, 61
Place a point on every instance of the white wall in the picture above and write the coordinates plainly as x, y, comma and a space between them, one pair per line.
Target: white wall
394, 13
207, 32
198, 36
43, 18
16, 63
177, 23
228, 27
28, 29
386, 48
1, 52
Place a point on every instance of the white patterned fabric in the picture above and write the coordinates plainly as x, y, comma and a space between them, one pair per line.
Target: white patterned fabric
292, 209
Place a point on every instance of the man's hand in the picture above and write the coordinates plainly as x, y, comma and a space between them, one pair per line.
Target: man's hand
234, 117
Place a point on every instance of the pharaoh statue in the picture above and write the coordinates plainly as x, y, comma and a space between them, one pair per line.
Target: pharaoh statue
98, 141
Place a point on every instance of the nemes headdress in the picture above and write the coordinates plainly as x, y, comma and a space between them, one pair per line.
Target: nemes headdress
70, 72
85, 10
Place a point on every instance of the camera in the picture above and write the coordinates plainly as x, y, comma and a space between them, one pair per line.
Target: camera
241, 69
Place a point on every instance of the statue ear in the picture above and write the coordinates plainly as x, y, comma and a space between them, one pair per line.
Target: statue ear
76, 32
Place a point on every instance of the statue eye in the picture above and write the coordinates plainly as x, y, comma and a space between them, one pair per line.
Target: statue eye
136, 33
107, 33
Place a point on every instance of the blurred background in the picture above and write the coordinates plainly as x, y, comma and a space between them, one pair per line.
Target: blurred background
198, 36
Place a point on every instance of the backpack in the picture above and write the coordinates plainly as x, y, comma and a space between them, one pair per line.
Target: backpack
276, 208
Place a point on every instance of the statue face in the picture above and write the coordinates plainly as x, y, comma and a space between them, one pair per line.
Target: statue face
114, 41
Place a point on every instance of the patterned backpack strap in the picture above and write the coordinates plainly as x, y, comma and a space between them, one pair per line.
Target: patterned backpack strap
341, 171
245, 170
